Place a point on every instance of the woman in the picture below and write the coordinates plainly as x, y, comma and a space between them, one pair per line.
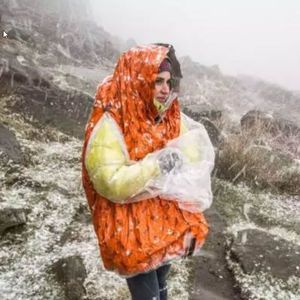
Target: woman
146, 171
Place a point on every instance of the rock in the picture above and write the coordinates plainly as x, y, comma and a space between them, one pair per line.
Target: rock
253, 117
67, 111
206, 117
14, 176
19, 35
70, 273
83, 215
21, 180
40, 99
267, 122
197, 112
257, 250
16, 69
213, 131
59, 28
11, 217
10, 145
60, 41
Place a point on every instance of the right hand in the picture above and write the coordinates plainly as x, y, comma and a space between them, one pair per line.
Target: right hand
170, 159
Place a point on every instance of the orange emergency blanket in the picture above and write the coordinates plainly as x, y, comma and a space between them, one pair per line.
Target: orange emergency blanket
140, 236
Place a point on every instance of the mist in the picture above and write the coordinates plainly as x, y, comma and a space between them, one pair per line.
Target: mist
257, 38
52, 60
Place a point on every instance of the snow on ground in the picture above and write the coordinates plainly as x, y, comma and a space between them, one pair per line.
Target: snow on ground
27, 256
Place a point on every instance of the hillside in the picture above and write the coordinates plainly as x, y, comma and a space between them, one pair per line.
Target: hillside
210, 89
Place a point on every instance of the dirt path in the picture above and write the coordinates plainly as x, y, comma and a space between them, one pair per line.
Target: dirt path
212, 280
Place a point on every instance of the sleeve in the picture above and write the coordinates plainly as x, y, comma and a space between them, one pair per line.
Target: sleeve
189, 150
196, 149
113, 175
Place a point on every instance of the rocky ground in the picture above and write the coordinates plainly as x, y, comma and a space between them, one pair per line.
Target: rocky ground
48, 249
48, 246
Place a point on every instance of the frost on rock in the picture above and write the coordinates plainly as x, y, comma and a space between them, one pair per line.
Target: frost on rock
262, 242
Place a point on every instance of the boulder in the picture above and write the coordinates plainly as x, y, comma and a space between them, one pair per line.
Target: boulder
267, 122
67, 111
253, 117
197, 112
207, 118
70, 272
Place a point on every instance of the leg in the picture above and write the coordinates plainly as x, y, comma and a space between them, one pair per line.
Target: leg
162, 274
144, 286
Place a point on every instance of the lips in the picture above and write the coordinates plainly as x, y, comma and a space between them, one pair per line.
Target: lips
161, 99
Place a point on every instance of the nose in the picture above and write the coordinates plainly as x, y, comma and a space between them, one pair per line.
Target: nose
165, 88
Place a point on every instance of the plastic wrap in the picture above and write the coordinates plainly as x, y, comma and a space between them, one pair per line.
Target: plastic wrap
190, 184
120, 180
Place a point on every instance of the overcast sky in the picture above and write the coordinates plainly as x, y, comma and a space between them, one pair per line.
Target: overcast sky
254, 37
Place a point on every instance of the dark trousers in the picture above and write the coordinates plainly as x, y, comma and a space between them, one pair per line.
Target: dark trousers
149, 286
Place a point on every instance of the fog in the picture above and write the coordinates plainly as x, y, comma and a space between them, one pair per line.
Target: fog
259, 38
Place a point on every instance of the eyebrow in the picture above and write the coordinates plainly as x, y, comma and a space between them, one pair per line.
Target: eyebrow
161, 78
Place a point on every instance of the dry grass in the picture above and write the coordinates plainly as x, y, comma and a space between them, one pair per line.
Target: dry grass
261, 160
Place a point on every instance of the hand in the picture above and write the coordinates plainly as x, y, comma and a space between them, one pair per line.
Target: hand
170, 159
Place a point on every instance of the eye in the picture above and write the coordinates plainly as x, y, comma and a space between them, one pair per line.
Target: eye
171, 83
159, 81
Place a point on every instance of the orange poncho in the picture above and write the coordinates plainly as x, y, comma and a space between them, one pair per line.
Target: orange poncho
152, 231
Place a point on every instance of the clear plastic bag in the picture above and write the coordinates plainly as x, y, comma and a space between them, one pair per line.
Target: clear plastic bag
190, 184
123, 181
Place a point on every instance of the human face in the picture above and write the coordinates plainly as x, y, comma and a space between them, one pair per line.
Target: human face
162, 86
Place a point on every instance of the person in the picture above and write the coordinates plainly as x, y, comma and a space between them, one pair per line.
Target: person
146, 171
